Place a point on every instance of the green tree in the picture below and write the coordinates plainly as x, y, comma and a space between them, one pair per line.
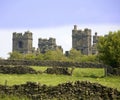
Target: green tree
54, 55
75, 55
109, 49
40, 56
30, 56
15, 55
89, 58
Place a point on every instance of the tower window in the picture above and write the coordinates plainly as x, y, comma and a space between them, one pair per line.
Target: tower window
20, 44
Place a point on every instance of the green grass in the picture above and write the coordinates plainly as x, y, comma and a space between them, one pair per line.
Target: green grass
82, 74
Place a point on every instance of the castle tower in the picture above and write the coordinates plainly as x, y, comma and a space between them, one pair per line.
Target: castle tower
48, 44
95, 41
22, 42
81, 40
95, 38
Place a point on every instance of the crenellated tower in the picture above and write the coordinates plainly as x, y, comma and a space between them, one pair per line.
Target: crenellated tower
22, 42
95, 41
48, 44
81, 40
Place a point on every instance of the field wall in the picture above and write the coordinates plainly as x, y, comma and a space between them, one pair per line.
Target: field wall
52, 63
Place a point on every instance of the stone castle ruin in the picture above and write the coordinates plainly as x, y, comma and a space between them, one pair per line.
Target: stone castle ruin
81, 40
95, 41
23, 43
47, 44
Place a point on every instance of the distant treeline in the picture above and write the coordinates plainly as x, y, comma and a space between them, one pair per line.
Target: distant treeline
58, 55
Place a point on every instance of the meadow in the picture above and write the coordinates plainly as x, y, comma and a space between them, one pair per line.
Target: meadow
83, 74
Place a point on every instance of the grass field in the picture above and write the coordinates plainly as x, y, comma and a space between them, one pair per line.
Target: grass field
82, 74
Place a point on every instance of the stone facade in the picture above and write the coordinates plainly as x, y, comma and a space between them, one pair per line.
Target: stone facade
95, 41
47, 44
23, 42
81, 40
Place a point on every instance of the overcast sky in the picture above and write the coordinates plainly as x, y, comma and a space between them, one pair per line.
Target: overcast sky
55, 18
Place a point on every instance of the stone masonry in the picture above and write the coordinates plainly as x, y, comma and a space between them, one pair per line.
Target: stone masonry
94, 46
23, 42
81, 40
47, 44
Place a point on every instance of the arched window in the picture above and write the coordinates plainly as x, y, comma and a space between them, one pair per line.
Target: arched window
20, 44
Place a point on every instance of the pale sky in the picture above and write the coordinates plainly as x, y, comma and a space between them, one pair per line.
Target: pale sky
55, 18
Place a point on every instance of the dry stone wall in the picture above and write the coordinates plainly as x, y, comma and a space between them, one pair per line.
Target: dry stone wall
7, 69
59, 70
109, 69
67, 91
52, 63
113, 71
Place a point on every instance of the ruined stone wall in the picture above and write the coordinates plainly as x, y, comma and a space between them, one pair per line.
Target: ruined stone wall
79, 90
17, 69
95, 41
22, 42
113, 71
108, 69
81, 40
52, 63
47, 44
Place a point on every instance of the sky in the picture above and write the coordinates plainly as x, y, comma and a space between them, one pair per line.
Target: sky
55, 18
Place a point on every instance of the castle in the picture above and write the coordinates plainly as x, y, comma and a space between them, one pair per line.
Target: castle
81, 40
23, 43
48, 44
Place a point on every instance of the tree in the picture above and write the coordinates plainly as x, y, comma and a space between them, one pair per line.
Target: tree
40, 56
74, 55
15, 55
89, 58
109, 49
54, 55
30, 56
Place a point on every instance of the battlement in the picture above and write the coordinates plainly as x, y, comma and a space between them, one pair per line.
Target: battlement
27, 34
17, 35
84, 32
81, 40
47, 41
22, 42
47, 44
87, 30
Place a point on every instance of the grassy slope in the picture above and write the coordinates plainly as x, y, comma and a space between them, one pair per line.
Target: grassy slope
87, 74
